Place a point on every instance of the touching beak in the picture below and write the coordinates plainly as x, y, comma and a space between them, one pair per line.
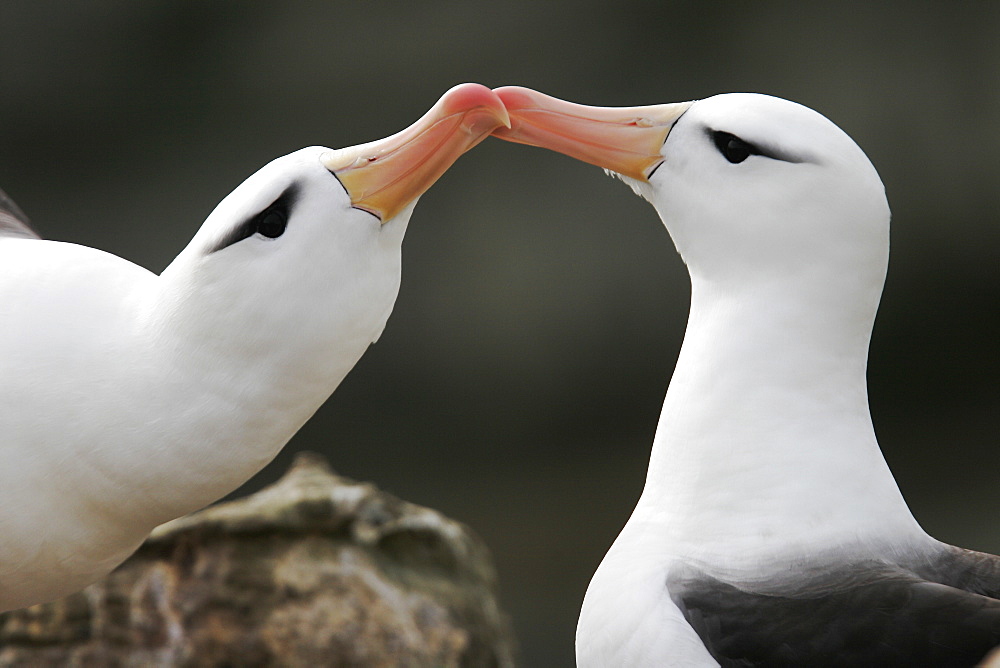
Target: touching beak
626, 140
382, 177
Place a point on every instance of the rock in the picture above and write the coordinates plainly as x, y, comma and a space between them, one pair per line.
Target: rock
316, 570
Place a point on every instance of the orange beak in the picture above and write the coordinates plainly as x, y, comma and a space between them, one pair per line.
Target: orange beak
626, 140
382, 177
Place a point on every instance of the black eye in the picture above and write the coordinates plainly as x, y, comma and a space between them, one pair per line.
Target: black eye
272, 222
733, 148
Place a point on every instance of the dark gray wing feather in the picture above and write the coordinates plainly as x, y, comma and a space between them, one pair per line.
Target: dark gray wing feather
977, 572
13, 222
869, 614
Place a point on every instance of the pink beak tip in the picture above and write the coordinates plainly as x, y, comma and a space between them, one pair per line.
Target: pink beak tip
468, 97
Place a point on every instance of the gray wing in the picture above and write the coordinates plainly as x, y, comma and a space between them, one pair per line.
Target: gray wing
977, 572
13, 222
864, 614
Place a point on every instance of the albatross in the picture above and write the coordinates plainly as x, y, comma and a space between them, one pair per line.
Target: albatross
128, 399
770, 530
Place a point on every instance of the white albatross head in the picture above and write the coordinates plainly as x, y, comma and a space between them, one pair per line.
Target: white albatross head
305, 254
749, 186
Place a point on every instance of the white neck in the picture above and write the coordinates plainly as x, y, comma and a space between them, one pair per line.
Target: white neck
230, 388
765, 437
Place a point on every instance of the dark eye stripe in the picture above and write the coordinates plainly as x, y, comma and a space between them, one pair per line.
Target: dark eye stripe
270, 222
736, 150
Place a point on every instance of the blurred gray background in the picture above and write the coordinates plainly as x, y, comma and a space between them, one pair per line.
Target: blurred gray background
518, 383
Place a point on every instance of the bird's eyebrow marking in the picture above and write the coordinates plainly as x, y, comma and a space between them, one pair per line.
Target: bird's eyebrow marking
248, 227
764, 150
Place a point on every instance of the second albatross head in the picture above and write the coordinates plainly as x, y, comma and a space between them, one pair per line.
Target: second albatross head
749, 186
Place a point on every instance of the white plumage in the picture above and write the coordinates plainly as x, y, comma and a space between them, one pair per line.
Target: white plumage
128, 399
770, 530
